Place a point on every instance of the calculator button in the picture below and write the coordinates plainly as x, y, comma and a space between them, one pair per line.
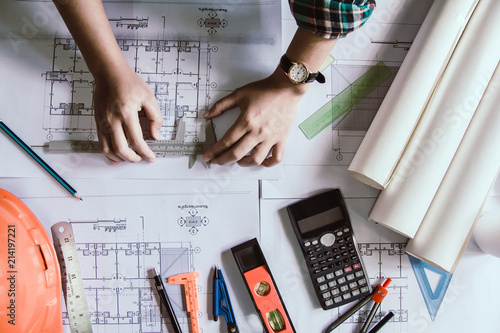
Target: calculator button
353, 285
328, 302
315, 242
327, 295
346, 296
358, 273
323, 287
329, 276
327, 239
339, 272
341, 280
362, 281
306, 244
320, 279
346, 229
356, 266
350, 277
339, 233
337, 299
344, 288
347, 269
335, 292
364, 289
332, 283
355, 292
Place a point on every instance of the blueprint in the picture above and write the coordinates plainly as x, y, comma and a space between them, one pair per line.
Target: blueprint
186, 52
386, 37
173, 226
382, 253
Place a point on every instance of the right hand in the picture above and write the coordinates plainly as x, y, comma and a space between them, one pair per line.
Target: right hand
119, 96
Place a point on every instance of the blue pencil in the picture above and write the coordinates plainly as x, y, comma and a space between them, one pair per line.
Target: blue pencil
39, 160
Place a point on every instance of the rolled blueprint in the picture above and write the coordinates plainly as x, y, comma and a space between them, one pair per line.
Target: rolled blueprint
449, 222
402, 205
408, 95
487, 233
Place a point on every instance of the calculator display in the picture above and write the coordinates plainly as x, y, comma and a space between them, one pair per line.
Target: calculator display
320, 220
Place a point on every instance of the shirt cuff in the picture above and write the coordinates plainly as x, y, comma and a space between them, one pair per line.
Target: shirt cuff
331, 19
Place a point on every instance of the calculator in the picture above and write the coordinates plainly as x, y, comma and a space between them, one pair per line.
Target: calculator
323, 229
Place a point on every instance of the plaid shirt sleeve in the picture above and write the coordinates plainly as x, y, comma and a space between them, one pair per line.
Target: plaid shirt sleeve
331, 19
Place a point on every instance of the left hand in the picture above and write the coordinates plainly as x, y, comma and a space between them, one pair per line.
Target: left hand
258, 137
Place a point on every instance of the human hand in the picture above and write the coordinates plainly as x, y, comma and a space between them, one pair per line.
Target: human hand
119, 96
268, 109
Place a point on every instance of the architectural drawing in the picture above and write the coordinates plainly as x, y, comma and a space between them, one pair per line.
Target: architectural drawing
194, 218
356, 122
177, 71
387, 260
120, 291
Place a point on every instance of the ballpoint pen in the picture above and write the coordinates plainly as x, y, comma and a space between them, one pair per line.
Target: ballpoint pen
377, 296
222, 303
160, 287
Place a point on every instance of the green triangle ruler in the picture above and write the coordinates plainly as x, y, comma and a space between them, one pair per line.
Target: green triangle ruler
432, 297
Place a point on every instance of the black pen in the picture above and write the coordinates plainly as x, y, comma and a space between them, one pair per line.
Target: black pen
382, 322
160, 287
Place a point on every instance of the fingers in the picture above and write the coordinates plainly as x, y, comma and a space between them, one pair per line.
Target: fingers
257, 156
230, 148
222, 105
154, 116
277, 153
123, 141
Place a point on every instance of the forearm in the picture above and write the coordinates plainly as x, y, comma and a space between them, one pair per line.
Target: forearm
89, 26
309, 49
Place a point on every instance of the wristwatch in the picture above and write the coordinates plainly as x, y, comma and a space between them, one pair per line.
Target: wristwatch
298, 72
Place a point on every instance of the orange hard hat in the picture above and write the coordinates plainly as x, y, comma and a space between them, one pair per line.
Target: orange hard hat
30, 280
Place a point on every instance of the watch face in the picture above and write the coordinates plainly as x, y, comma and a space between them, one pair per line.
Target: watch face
298, 73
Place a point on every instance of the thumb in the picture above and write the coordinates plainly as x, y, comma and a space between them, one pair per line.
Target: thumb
154, 116
222, 105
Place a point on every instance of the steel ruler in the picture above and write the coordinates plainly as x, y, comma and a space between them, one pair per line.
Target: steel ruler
161, 148
72, 283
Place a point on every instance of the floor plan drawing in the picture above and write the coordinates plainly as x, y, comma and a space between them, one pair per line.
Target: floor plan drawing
118, 285
190, 54
388, 260
177, 71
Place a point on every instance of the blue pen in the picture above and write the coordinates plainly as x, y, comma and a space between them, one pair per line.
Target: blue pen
222, 303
